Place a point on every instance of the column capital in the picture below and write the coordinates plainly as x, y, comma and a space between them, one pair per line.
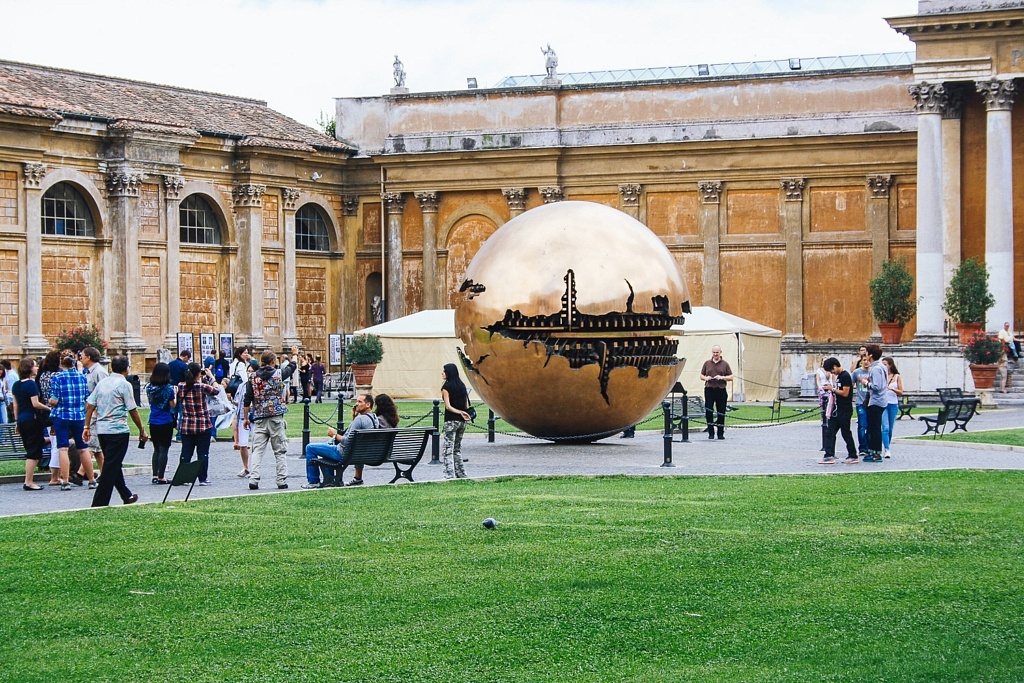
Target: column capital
998, 95
516, 198
290, 196
929, 98
394, 202
551, 193
955, 96
794, 188
124, 184
34, 174
172, 187
248, 194
428, 201
350, 205
630, 194
710, 191
879, 185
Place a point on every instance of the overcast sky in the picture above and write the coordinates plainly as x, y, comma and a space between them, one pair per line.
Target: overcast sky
300, 54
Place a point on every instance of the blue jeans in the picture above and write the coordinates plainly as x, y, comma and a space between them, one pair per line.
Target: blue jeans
200, 443
889, 423
318, 450
862, 428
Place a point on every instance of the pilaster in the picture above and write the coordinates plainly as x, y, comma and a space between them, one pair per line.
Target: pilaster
878, 187
708, 223
428, 205
394, 205
516, 198
289, 304
629, 199
248, 289
792, 228
172, 186
33, 342
552, 193
951, 185
123, 316
348, 281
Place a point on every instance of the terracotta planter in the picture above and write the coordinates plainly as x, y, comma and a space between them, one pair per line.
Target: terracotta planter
984, 375
362, 374
891, 332
966, 331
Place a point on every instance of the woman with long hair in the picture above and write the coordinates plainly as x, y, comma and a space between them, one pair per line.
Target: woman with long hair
195, 425
161, 420
305, 370
317, 372
26, 402
242, 435
893, 391
47, 371
456, 403
386, 410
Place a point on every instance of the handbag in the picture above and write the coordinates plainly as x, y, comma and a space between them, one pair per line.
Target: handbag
218, 404
233, 384
472, 413
43, 416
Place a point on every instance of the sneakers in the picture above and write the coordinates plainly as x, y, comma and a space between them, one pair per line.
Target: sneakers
851, 461
887, 454
242, 474
827, 461
253, 485
872, 458
308, 486
282, 486
354, 482
205, 482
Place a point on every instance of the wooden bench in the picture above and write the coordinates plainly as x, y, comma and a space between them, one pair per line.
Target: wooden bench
403, 448
905, 407
11, 445
959, 411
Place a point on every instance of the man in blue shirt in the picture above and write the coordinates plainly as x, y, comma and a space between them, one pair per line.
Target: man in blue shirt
68, 392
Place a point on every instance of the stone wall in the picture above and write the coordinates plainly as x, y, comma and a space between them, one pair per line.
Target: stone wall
8, 296
199, 297
66, 293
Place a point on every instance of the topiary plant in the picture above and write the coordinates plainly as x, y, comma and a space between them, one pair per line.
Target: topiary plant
364, 349
967, 296
890, 293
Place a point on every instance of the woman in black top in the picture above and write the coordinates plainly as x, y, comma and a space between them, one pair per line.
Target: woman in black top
26, 403
456, 403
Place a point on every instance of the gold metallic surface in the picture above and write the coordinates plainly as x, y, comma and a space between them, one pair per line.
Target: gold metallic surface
564, 276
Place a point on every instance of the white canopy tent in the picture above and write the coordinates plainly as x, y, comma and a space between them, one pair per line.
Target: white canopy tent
751, 349
416, 347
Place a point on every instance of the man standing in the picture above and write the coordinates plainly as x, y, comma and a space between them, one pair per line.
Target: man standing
715, 373
876, 383
860, 377
67, 397
841, 410
110, 403
94, 374
265, 407
364, 419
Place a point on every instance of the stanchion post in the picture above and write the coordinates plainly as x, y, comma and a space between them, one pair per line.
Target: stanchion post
666, 408
490, 426
435, 439
341, 412
305, 425
686, 419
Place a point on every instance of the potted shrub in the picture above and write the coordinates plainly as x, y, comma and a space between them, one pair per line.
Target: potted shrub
983, 352
363, 353
86, 335
968, 298
891, 301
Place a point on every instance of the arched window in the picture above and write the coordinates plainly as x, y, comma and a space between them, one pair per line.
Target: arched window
65, 212
311, 229
198, 222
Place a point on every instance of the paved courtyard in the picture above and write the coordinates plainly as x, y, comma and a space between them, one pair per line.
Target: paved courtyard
778, 449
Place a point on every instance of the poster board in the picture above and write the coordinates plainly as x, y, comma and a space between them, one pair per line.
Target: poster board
185, 342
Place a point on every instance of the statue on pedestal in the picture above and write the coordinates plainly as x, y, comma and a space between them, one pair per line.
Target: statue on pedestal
550, 63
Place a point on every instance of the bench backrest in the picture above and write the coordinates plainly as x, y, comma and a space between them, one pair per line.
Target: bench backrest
10, 440
409, 444
377, 446
962, 410
947, 394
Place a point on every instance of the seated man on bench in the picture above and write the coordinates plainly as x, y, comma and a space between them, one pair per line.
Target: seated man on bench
335, 450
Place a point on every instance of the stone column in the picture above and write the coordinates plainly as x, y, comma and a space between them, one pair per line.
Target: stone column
124, 317
348, 280
516, 198
708, 221
951, 114
930, 100
998, 96
33, 342
428, 205
629, 199
248, 290
878, 220
172, 263
551, 194
289, 293
394, 205
793, 229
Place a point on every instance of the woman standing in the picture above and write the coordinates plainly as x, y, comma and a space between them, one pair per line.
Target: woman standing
26, 402
47, 371
893, 392
318, 371
161, 420
241, 434
195, 425
305, 370
456, 403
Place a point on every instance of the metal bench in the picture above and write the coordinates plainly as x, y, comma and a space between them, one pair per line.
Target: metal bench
403, 448
11, 445
905, 407
959, 411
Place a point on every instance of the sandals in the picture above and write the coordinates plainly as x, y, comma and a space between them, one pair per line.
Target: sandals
243, 474
65, 486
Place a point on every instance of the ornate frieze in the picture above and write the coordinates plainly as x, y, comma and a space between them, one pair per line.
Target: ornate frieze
248, 194
551, 194
394, 202
172, 186
929, 98
879, 185
516, 198
124, 184
794, 189
630, 194
290, 197
350, 205
998, 95
428, 201
34, 174
710, 191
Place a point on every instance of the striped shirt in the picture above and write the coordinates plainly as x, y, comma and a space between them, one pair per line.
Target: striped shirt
70, 389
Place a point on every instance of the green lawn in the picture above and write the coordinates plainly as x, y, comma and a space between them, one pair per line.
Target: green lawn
896, 577
1005, 437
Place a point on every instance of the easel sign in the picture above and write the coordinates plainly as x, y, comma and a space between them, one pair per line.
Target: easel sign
185, 342
227, 344
206, 343
334, 344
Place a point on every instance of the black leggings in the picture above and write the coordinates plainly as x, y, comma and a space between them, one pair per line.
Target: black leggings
161, 436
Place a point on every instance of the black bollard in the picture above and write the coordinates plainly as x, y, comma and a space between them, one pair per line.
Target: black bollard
490, 426
341, 412
305, 425
435, 439
686, 419
666, 408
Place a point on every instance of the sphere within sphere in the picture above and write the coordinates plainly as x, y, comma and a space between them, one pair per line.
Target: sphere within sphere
565, 321
490, 523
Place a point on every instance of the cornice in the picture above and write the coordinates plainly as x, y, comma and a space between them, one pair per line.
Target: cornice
950, 24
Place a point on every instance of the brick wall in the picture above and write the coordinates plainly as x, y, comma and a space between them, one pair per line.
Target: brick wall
149, 296
311, 312
149, 209
8, 294
271, 224
65, 293
8, 198
199, 297
271, 300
